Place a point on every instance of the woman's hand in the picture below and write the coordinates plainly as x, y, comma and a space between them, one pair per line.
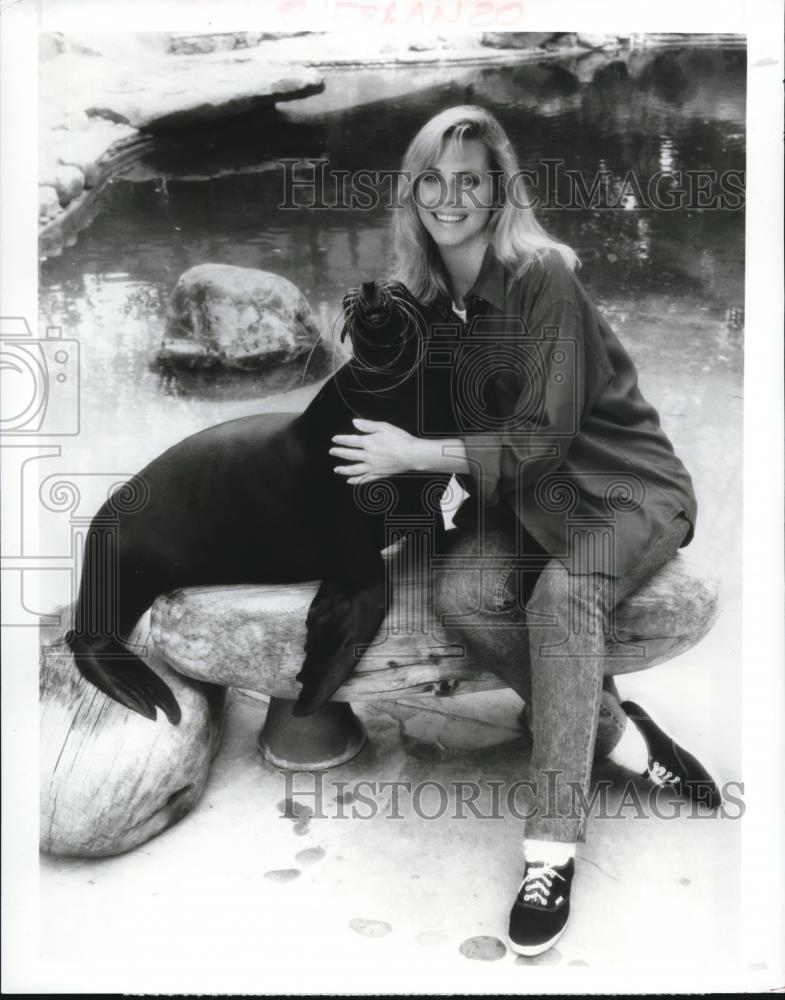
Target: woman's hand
379, 450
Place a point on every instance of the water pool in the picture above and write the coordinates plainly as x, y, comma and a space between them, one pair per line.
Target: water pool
666, 280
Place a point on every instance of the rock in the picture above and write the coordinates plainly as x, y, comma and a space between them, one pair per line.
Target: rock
562, 40
111, 779
183, 43
84, 149
597, 66
418, 56
119, 46
253, 636
236, 317
483, 948
611, 73
515, 39
424, 44
95, 798
55, 112
192, 91
196, 43
596, 41
73, 121
48, 203
66, 179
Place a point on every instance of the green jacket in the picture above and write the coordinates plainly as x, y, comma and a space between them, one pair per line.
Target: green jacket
555, 427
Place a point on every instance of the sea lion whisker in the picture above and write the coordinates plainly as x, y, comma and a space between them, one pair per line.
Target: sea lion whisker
310, 355
337, 316
411, 315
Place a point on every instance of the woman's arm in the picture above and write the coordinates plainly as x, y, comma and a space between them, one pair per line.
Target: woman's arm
442, 455
384, 450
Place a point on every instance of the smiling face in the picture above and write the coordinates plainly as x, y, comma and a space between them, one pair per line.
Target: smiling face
455, 194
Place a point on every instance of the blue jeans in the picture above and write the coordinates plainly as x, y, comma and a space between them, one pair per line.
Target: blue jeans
543, 632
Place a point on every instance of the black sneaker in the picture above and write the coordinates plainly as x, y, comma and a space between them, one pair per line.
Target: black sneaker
671, 764
542, 907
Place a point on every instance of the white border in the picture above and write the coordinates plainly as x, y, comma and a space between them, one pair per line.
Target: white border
764, 595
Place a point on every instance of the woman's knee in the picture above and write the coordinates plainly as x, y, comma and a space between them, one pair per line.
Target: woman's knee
475, 580
572, 602
456, 591
551, 592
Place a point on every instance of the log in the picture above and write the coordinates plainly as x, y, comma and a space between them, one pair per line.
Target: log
253, 636
110, 779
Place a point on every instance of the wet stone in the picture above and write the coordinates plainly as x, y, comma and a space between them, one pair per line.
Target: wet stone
483, 949
299, 813
282, 875
310, 855
370, 928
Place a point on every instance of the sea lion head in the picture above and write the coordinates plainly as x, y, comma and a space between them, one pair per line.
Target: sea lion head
386, 327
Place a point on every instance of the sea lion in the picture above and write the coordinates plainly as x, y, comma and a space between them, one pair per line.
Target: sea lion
256, 500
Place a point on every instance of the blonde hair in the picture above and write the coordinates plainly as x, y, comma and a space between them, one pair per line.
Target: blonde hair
515, 234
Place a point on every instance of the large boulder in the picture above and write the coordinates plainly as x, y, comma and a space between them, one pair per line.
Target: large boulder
188, 43
67, 179
590, 40
562, 40
48, 203
117, 46
187, 92
89, 150
136, 83
220, 315
109, 778
515, 39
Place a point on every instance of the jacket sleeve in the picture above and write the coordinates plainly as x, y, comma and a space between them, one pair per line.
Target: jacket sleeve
543, 384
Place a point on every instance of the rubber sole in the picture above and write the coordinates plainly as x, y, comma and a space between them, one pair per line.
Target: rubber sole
536, 949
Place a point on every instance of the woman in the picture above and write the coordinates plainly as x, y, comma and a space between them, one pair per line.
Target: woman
569, 473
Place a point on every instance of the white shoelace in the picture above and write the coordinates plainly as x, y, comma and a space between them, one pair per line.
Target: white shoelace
537, 883
660, 775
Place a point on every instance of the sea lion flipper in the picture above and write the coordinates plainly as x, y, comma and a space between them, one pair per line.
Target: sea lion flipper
112, 684
127, 680
129, 698
161, 695
342, 619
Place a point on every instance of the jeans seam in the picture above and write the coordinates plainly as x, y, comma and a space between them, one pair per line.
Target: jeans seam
501, 586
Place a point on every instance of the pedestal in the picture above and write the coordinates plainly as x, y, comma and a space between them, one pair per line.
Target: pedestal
329, 737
